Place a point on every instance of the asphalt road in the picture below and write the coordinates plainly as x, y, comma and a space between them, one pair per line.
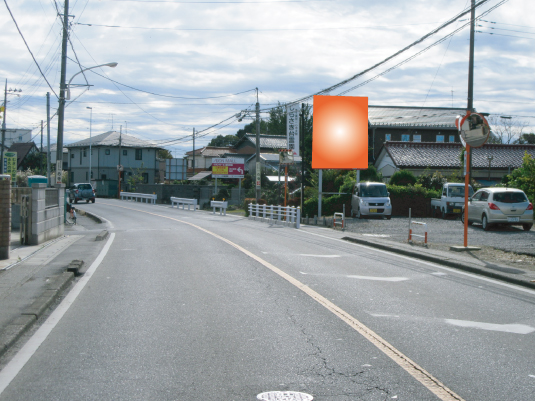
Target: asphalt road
195, 306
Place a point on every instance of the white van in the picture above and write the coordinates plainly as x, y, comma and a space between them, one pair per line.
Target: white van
371, 199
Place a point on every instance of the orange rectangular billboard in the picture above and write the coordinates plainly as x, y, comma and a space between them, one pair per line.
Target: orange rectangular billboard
340, 132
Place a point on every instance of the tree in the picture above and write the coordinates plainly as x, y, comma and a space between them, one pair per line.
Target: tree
524, 177
136, 178
403, 178
506, 130
33, 162
164, 154
223, 141
277, 121
527, 139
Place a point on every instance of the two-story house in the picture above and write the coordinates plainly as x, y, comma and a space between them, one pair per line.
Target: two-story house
108, 151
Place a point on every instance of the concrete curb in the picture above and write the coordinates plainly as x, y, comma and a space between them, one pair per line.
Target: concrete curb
441, 261
29, 316
90, 215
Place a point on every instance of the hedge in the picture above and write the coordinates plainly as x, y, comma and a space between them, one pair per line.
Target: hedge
417, 198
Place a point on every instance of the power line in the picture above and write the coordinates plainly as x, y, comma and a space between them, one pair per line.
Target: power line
22, 36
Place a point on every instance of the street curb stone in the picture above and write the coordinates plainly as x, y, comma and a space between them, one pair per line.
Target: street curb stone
442, 261
14, 331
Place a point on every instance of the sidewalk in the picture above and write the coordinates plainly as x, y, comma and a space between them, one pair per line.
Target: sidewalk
34, 276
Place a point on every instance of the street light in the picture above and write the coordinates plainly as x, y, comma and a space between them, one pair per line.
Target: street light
112, 65
90, 122
62, 98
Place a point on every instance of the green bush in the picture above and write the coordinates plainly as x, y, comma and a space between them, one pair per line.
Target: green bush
416, 198
403, 178
329, 205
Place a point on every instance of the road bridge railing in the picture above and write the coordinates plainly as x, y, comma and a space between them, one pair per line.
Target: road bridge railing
183, 202
285, 215
148, 198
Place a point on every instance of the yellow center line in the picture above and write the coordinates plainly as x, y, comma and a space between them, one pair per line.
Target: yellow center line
411, 367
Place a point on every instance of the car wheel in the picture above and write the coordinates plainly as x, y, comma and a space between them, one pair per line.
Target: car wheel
87, 201
443, 214
388, 217
462, 217
485, 223
92, 201
359, 216
527, 227
75, 200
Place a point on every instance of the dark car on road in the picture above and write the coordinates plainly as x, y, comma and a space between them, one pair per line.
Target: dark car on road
79, 192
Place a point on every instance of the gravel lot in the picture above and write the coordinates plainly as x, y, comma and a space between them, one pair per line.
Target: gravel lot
503, 244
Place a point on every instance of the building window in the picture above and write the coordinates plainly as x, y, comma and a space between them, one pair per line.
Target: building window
86, 175
125, 152
405, 138
107, 152
388, 137
139, 154
440, 138
145, 178
452, 138
103, 176
85, 153
72, 176
417, 138
81, 156
72, 155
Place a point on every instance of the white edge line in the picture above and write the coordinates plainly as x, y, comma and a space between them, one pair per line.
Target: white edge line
12, 369
450, 269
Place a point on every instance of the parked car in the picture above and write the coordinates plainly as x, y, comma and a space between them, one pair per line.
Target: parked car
371, 199
451, 201
508, 206
79, 192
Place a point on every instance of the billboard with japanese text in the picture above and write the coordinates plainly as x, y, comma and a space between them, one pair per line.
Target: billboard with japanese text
228, 167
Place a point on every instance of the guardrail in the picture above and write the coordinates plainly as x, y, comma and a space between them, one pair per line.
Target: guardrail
184, 202
221, 205
285, 215
135, 196
417, 223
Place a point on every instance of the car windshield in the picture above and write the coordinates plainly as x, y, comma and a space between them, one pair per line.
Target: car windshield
510, 197
458, 192
84, 186
374, 191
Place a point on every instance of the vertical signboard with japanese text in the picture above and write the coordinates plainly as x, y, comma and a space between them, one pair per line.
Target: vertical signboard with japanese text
10, 165
292, 128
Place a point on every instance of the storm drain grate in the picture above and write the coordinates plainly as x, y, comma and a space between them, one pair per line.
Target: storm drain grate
284, 396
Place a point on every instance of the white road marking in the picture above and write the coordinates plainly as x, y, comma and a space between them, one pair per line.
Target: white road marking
320, 256
392, 279
377, 235
506, 328
449, 269
411, 367
439, 274
12, 369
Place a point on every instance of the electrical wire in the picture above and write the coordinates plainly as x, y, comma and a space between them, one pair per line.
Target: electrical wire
22, 36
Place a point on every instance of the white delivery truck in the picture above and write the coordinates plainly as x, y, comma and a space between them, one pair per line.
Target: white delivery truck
452, 200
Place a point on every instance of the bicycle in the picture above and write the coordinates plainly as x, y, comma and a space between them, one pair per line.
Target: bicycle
71, 216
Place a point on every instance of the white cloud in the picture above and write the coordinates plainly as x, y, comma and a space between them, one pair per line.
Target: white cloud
287, 50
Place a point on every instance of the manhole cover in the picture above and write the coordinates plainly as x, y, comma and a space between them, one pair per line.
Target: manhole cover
284, 396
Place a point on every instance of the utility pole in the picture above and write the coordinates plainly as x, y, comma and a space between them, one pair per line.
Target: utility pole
258, 163
302, 137
61, 106
193, 163
90, 127
41, 153
48, 138
3, 132
119, 165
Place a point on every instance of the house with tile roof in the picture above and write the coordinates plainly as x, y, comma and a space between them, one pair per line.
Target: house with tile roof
411, 124
203, 157
489, 162
108, 150
23, 149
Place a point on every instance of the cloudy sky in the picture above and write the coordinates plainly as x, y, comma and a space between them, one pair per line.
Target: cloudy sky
185, 64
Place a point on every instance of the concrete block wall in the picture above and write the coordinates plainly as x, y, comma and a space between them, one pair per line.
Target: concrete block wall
5, 215
46, 224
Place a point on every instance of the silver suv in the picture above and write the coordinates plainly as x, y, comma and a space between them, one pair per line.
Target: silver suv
80, 192
371, 199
